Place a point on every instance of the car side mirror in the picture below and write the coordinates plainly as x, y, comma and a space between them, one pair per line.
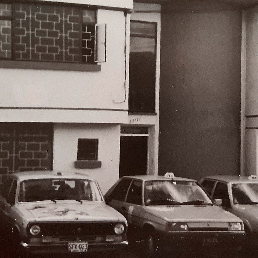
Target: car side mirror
218, 202
222, 202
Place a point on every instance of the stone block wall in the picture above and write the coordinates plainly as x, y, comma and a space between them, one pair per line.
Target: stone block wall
25, 147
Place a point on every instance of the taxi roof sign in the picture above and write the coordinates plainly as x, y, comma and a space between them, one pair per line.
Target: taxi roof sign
169, 175
253, 177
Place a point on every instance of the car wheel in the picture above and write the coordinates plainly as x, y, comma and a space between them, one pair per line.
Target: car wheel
150, 244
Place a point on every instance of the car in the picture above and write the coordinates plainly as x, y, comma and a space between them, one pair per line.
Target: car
238, 195
50, 212
173, 214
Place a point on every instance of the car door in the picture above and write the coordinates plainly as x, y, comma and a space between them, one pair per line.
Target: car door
133, 203
221, 193
116, 198
7, 200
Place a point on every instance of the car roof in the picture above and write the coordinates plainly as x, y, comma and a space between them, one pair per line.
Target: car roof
42, 174
233, 179
153, 177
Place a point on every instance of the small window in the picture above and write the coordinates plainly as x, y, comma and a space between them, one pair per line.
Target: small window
135, 193
208, 185
120, 191
6, 187
87, 149
221, 191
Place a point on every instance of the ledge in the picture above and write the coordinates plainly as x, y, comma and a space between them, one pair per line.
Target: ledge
10, 64
90, 164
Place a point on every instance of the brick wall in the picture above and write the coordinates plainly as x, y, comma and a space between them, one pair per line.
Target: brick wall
25, 147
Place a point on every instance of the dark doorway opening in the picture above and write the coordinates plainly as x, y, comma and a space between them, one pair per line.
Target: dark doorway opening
133, 155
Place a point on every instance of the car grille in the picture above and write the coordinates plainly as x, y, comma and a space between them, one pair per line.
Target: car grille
62, 229
208, 226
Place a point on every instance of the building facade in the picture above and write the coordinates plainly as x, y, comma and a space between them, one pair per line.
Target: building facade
66, 102
208, 87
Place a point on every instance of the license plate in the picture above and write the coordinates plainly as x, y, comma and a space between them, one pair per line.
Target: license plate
210, 241
78, 247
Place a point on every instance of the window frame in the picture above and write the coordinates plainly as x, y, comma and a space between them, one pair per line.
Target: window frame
215, 188
129, 192
94, 151
149, 110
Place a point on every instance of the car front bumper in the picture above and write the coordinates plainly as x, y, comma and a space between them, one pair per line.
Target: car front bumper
62, 248
202, 240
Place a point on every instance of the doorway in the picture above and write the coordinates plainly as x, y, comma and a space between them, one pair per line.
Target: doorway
133, 152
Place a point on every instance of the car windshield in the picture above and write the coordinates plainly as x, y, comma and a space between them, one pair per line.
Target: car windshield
245, 193
58, 189
174, 193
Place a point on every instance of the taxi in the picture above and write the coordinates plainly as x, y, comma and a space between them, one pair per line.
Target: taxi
238, 195
47, 212
168, 213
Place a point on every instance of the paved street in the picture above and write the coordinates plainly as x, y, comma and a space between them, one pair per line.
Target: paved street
136, 252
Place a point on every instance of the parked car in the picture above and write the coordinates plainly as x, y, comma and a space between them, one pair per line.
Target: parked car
173, 214
52, 212
238, 195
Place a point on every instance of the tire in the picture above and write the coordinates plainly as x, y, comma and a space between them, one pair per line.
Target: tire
150, 244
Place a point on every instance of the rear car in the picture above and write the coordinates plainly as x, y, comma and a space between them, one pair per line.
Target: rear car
238, 195
174, 214
51, 212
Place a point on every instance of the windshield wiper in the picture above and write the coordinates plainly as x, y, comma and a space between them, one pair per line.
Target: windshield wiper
53, 200
248, 202
78, 200
163, 202
196, 202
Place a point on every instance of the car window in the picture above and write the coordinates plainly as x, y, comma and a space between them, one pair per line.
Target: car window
58, 189
245, 193
166, 192
7, 187
221, 191
135, 193
120, 190
12, 194
208, 185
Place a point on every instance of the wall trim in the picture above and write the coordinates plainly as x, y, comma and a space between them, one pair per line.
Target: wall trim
11, 64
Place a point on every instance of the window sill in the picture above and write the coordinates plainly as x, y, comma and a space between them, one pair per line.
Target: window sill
10, 64
90, 164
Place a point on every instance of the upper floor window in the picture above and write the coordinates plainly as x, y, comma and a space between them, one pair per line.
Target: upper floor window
41, 32
142, 70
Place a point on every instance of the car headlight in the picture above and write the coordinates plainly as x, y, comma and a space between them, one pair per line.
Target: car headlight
119, 228
235, 226
35, 230
177, 226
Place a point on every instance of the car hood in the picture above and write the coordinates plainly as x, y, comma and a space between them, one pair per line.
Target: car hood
192, 213
69, 211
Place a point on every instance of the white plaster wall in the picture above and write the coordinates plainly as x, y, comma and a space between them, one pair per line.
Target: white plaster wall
128, 4
69, 89
65, 150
